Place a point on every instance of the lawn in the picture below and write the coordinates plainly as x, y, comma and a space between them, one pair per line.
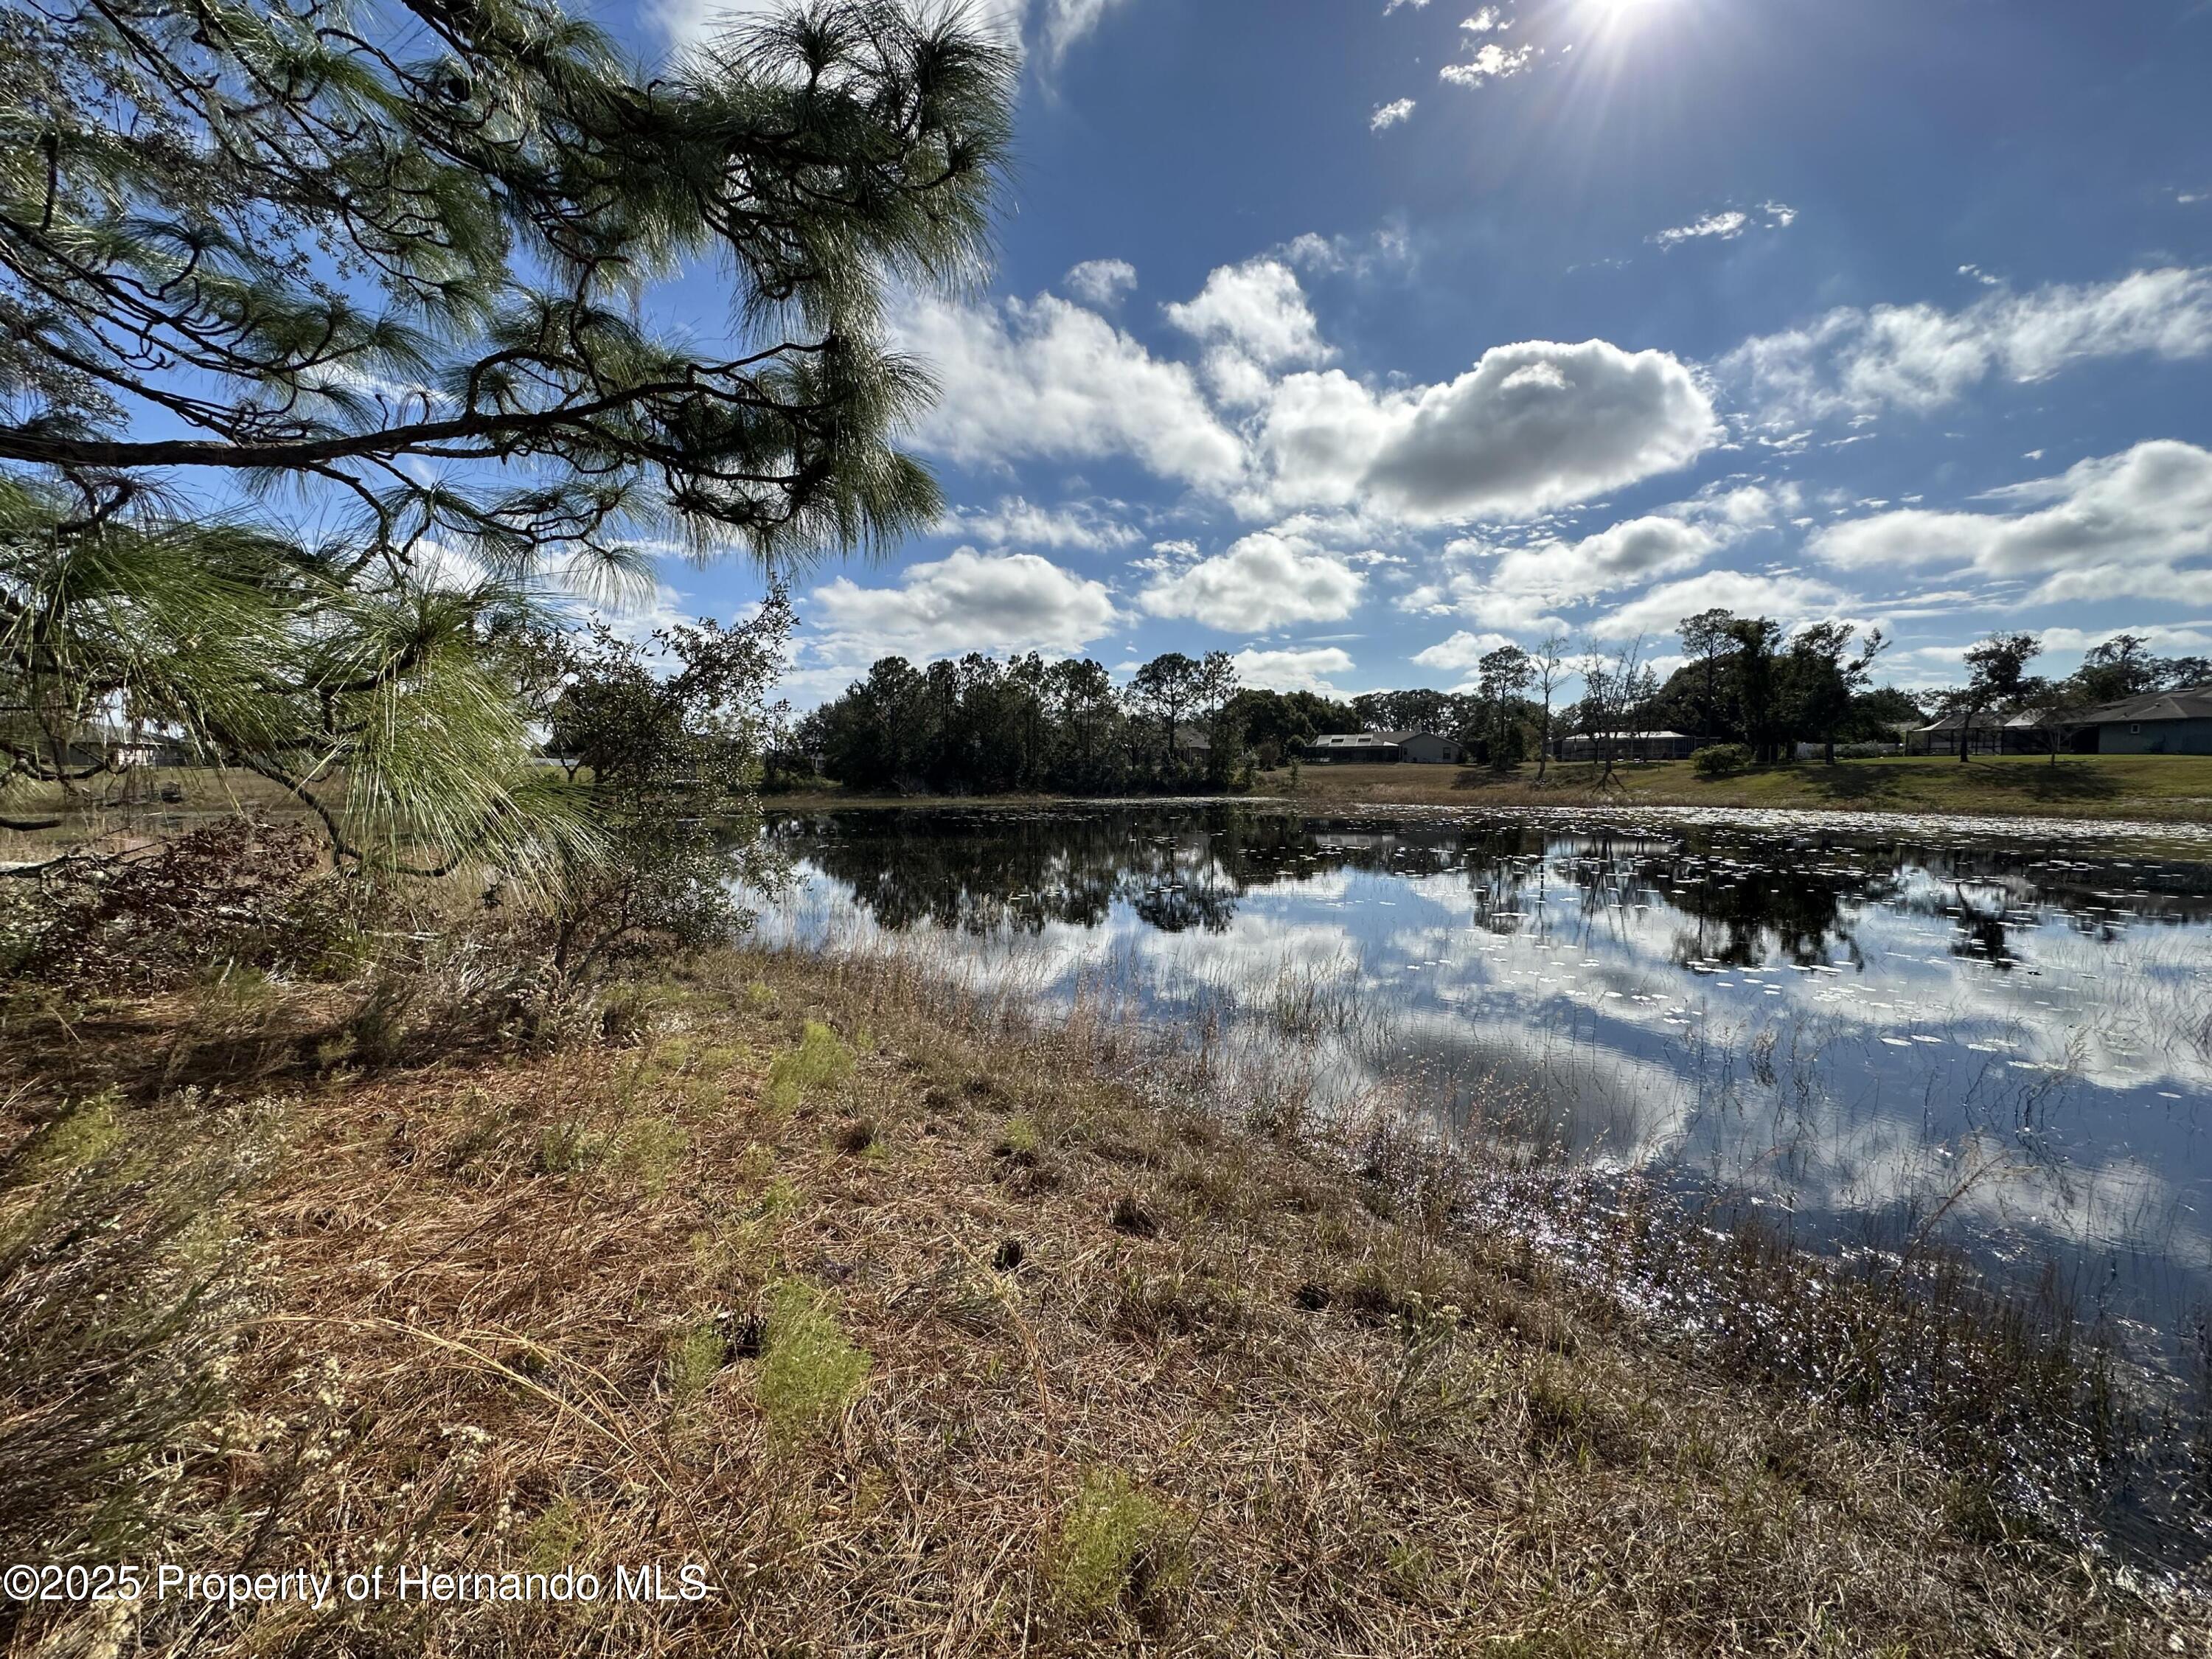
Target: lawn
2166, 787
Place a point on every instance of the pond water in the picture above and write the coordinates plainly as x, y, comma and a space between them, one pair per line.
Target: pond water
2002, 1034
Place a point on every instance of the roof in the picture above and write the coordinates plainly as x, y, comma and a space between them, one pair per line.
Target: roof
2188, 703
1355, 740
1626, 737
1372, 739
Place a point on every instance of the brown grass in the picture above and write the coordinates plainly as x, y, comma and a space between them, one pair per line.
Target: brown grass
620, 1307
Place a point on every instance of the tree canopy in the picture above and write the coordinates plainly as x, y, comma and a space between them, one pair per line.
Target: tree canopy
392, 270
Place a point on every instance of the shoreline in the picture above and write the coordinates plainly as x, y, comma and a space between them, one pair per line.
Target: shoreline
2161, 792
917, 1328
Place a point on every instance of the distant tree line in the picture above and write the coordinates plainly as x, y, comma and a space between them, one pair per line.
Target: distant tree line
978, 725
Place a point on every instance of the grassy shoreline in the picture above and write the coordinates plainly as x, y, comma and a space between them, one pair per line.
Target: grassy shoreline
923, 1334
2175, 789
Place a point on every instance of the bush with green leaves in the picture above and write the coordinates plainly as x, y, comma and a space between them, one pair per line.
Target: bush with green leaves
1719, 760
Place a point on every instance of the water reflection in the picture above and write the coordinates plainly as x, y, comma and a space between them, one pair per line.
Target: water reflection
1853, 1034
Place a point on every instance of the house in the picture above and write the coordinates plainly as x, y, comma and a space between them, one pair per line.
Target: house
122, 748
1627, 745
1414, 748
2177, 722
1941, 737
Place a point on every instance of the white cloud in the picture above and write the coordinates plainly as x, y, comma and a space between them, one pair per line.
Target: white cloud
1922, 357
967, 601
1638, 550
1729, 224
1390, 114
1490, 62
1062, 24
1292, 671
1789, 599
1077, 524
1258, 307
1461, 652
1531, 426
1487, 19
2194, 636
1726, 226
1520, 589
1101, 282
1394, 4
2108, 527
1264, 581
1046, 377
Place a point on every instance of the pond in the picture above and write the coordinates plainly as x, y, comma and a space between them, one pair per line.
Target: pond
2000, 1034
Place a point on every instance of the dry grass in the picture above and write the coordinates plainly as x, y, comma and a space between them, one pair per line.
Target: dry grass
933, 1389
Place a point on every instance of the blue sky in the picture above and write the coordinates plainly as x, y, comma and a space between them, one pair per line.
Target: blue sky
1354, 338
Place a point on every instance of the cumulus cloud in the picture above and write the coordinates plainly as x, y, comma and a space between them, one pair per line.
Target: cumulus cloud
1101, 282
1264, 581
2116, 526
1080, 526
1520, 589
1390, 114
1531, 426
1922, 357
1307, 669
1486, 20
1789, 599
1461, 652
967, 601
1046, 377
1259, 308
1490, 62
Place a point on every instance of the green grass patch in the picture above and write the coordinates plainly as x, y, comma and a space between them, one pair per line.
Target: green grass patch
810, 1369
820, 1062
1119, 1547
695, 1358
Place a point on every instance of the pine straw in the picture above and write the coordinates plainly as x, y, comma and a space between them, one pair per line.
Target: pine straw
474, 1278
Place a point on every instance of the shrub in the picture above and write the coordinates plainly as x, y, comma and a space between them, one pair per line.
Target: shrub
820, 1062
810, 1369
1117, 1545
1718, 760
